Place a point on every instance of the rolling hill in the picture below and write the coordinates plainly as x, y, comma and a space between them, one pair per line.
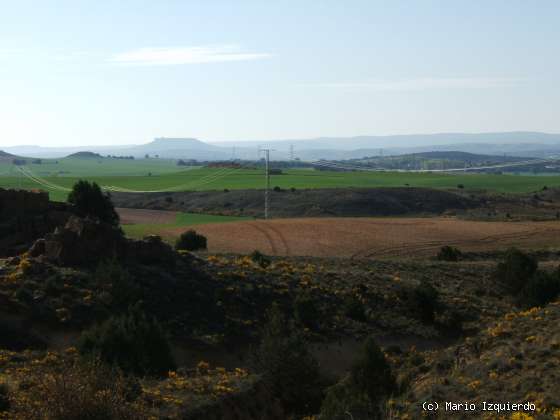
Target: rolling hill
525, 144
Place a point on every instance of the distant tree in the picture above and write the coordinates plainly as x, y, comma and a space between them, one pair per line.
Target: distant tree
448, 253
89, 200
146, 156
191, 241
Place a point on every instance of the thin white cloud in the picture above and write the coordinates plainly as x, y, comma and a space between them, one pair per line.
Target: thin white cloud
185, 55
429, 83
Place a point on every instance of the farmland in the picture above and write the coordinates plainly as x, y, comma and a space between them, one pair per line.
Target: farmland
138, 178
347, 237
138, 223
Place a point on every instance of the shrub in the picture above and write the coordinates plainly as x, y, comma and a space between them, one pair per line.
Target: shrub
362, 393
288, 368
460, 186
4, 397
343, 402
516, 269
134, 342
89, 200
371, 374
259, 258
540, 289
424, 301
305, 310
452, 322
354, 309
449, 253
112, 277
191, 241
23, 294
76, 391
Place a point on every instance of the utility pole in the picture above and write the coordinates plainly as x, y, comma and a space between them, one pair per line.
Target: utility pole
267, 176
291, 152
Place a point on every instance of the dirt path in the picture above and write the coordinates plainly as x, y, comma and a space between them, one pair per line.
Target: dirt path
374, 237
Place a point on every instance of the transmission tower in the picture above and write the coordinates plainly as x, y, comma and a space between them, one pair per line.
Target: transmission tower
267, 177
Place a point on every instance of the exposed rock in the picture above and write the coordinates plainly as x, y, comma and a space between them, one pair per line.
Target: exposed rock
38, 248
87, 241
84, 241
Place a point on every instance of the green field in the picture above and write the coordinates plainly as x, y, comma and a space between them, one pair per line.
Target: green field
76, 167
138, 231
218, 179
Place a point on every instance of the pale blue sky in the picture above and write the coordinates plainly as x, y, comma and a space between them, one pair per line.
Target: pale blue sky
116, 72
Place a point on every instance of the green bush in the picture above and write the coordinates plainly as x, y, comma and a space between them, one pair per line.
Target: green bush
134, 342
354, 309
288, 368
305, 310
449, 253
424, 302
89, 200
4, 397
516, 269
113, 278
540, 289
363, 392
259, 258
371, 374
342, 402
191, 241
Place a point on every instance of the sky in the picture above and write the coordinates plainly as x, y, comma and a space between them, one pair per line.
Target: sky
76, 73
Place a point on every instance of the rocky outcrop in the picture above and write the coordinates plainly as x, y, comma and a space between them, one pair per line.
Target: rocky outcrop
81, 241
26, 216
86, 241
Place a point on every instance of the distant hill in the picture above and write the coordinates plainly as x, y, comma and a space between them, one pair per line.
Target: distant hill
4, 155
461, 156
8, 157
525, 144
407, 140
433, 160
85, 155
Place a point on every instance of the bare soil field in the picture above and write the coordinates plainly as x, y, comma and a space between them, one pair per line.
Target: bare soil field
373, 237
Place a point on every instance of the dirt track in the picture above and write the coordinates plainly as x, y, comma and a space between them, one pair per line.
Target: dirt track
374, 237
